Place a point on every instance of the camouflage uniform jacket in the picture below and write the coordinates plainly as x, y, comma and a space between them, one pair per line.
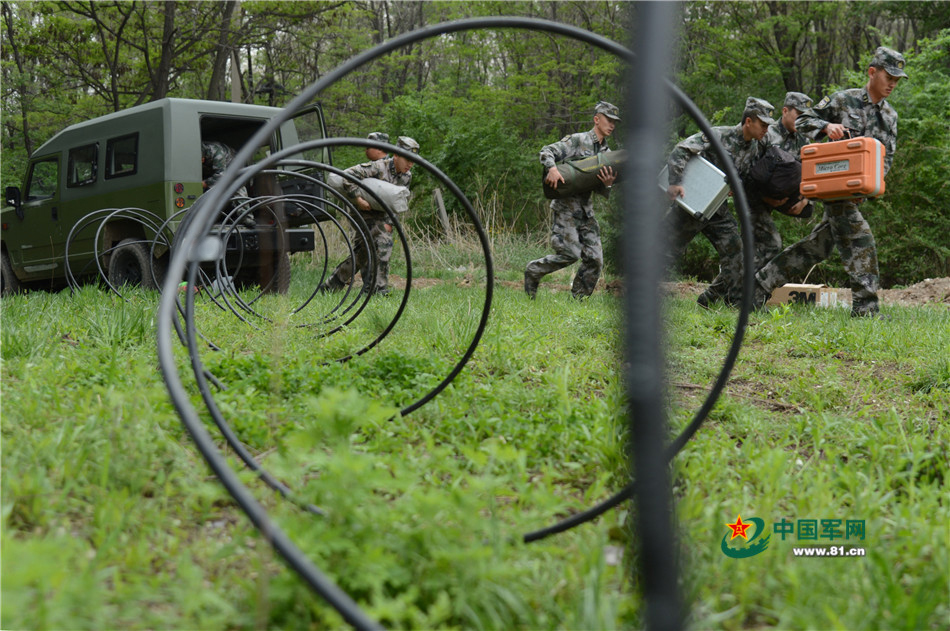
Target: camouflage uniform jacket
216, 156
383, 169
743, 152
853, 109
573, 146
790, 141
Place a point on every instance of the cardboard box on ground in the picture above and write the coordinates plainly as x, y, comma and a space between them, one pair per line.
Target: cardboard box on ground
817, 295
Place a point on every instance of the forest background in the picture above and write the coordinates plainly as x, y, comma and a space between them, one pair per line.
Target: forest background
482, 103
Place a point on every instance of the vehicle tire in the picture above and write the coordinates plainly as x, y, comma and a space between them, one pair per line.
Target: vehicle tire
9, 284
131, 264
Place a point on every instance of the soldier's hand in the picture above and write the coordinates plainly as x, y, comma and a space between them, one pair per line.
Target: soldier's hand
607, 176
675, 190
553, 177
799, 207
362, 204
835, 131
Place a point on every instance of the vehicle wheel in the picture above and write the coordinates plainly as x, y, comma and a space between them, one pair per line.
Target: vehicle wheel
9, 284
131, 264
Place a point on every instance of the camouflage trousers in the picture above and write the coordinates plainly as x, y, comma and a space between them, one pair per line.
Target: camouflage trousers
383, 242
767, 239
575, 235
723, 233
842, 227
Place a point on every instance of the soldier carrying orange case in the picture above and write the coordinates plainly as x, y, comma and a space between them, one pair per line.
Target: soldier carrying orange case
864, 112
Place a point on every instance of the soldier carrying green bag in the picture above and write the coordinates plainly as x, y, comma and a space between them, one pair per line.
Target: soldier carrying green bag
575, 233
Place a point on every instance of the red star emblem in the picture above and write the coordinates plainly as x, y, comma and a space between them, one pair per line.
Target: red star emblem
738, 528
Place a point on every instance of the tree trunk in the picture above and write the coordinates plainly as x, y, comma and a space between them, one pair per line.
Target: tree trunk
218, 83
21, 83
160, 78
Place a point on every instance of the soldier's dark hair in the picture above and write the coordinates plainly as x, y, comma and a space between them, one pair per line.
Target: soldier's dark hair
748, 114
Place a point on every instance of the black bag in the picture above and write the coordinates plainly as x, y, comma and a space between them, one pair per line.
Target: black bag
777, 174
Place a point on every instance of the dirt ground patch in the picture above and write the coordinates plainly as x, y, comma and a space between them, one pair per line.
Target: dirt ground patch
928, 291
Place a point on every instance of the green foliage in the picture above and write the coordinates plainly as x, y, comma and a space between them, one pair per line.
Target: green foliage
910, 220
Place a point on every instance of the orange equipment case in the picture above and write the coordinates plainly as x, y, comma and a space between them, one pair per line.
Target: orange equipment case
845, 169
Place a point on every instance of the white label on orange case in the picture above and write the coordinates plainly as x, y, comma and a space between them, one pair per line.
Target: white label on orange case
832, 167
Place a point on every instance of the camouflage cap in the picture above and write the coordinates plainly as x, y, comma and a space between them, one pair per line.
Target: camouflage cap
609, 110
408, 143
799, 100
761, 108
889, 59
379, 136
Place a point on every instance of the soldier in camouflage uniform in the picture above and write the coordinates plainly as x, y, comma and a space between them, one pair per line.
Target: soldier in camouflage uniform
575, 233
215, 158
373, 153
395, 170
742, 144
783, 134
862, 112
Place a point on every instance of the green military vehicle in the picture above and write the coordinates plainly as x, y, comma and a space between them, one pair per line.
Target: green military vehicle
147, 157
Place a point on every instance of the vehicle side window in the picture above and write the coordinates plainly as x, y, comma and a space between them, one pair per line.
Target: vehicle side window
82, 165
122, 156
43, 180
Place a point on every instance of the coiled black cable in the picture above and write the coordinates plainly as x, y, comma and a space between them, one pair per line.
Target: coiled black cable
748, 279
229, 184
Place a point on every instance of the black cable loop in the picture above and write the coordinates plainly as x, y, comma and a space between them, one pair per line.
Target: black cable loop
748, 279
186, 216
355, 219
228, 185
146, 218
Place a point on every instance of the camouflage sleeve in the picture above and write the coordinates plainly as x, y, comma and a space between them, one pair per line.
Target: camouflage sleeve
556, 152
361, 172
812, 121
682, 152
220, 159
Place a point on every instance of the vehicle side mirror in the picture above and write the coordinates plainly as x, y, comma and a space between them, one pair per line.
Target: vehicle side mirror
13, 199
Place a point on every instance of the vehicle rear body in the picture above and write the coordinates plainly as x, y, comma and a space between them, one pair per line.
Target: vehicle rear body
147, 157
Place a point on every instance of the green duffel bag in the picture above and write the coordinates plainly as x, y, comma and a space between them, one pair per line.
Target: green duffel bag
580, 176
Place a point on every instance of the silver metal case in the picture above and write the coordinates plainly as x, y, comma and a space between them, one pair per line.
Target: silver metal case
704, 184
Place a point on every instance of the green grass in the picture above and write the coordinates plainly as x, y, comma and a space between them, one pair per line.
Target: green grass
111, 519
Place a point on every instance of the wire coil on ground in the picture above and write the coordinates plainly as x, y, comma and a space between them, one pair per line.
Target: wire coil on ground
182, 265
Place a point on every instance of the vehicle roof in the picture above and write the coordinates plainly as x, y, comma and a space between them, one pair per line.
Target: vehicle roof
162, 109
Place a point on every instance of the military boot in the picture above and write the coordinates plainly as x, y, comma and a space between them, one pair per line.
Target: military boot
331, 284
760, 296
530, 285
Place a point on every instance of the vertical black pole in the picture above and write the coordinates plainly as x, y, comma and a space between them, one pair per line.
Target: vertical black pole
646, 121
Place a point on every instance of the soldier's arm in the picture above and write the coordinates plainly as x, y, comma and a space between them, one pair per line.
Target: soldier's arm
825, 117
564, 149
360, 172
682, 152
